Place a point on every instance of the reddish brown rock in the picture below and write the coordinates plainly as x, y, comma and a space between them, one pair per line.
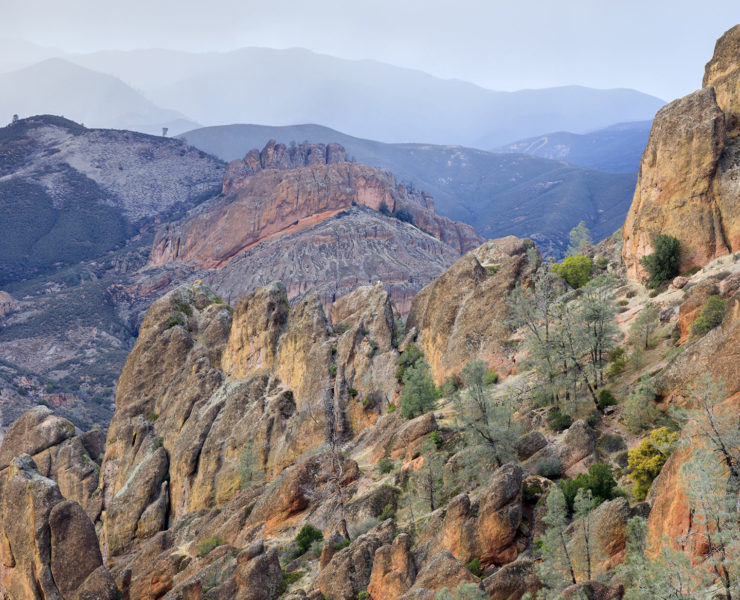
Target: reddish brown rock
692, 305
271, 201
394, 570
484, 528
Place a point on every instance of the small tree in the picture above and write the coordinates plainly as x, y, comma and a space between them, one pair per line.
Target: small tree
427, 482
419, 393
647, 459
640, 411
710, 316
579, 240
575, 270
482, 418
556, 569
644, 325
599, 481
582, 541
662, 264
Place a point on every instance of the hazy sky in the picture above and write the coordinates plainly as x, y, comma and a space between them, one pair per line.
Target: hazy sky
657, 46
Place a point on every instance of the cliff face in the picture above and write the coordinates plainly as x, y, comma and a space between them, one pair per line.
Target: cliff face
688, 182
280, 191
461, 315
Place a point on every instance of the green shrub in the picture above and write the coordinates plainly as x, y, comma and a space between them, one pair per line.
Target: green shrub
606, 399
662, 264
352, 392
307, 536
206, 546
653, 293
647, 459
474, 567
388, 512
292, 577
363, 595
449, 386
710, 316
557, 421
174, 320
408, 358
391, 408
152, 416
610, 443
436, 438
341, 328
617, 362
419, 393
341, 544
575, 270
490, 377
333, 371
385, 465
602, 263
599, 480
550, 467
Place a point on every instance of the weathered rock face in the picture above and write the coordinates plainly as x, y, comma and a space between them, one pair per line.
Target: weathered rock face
687, 186
716, 354
484, 528
212, 399
48, 546
349, 571
394, 570
279, 199
461, 315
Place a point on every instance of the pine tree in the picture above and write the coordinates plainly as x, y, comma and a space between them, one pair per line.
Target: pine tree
644, 325
579, 240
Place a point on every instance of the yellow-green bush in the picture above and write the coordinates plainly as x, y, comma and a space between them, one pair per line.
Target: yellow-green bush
646, 460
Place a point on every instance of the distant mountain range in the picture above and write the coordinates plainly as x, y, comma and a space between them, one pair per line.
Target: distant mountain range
617, 148
57, 86
498, 194
366, 98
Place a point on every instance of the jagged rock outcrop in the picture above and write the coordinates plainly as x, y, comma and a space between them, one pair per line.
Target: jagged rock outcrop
687, 185
394, 570
348, 572
280, 199
461, 315
512, 581
279, 157
484, 527
48, 546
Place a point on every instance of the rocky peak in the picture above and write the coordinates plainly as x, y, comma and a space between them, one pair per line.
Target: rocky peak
278, 156
688, 181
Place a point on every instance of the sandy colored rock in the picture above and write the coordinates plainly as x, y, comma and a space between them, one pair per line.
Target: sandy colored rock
36, 430
461, 315
443, 571
692, 305
512, 581
687, 185
268, 201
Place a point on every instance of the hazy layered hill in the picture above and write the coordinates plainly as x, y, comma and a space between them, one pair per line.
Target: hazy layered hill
57, 86
362, 97
499, 194
69, 193
617, 148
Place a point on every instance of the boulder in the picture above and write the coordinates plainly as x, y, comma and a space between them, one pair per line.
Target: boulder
512, 581
393, 571
36, 430
441, 571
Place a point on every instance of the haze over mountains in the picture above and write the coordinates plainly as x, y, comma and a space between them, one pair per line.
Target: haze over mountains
283, 87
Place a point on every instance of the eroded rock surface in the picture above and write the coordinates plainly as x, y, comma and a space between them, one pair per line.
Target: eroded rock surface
687, 185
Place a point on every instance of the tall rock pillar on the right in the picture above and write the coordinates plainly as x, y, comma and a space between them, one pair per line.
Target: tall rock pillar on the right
689, 181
